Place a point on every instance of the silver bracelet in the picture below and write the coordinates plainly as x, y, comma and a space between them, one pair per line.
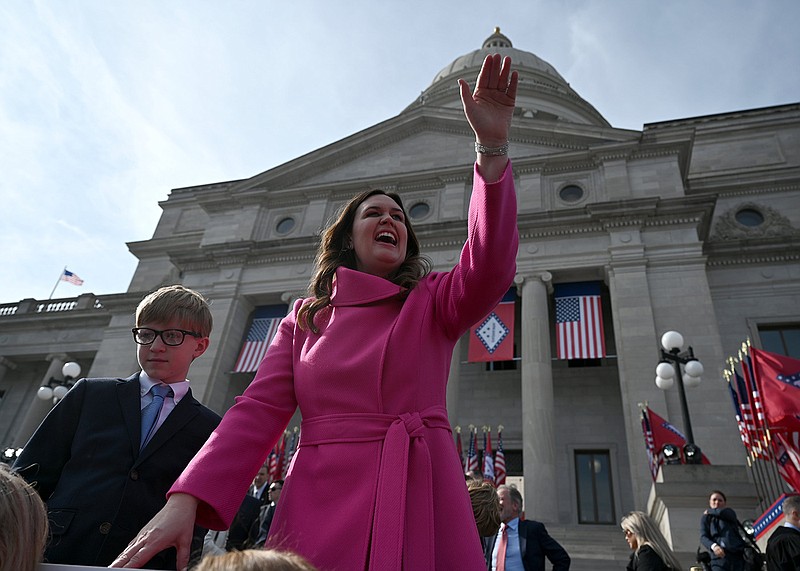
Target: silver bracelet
491, 151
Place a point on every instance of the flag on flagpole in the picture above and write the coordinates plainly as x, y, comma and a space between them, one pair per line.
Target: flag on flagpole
488, 456
778, 377
460, 448
281, 456
649, 443
265, 324
579, 321
737, 413
499, 459
472, 450
68, 276
787, 457
663, 433
492, 338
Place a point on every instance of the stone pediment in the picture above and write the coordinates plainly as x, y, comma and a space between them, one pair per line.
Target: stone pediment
421, 141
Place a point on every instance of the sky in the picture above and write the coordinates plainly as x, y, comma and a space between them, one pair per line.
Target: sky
107, 105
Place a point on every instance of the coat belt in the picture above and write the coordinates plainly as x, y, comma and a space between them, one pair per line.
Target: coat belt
405, 451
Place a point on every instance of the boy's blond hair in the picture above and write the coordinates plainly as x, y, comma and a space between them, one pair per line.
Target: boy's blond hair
176, 302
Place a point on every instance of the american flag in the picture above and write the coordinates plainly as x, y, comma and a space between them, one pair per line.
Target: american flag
579, 321
472, 451
737, 413
68, 276
264, 327
499, 460
488, 457
290, 453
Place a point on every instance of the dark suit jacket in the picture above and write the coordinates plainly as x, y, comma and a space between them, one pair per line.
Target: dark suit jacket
534, 545
783, 550
100, 491
243, 532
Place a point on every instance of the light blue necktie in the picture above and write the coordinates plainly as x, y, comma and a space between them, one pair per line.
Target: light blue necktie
150, 412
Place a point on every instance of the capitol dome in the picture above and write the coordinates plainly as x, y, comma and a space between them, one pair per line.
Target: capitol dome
543, 93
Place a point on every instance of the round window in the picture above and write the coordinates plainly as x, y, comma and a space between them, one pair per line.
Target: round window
570, 193
285, 225
749, 217
419, 210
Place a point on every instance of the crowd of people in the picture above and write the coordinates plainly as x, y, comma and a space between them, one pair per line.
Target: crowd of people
135, 472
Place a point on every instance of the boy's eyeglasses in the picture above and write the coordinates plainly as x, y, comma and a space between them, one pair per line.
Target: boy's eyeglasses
171, 337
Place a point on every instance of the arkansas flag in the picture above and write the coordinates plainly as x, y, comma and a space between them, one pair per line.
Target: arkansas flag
492, 338
778, 378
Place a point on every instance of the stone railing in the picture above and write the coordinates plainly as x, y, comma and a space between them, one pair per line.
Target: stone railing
31, 306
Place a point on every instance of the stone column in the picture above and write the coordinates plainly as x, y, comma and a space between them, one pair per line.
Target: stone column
538, 422
5, 365
39, 408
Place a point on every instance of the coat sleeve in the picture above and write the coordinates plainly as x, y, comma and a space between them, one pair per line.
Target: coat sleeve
552, 549
486, 266
706, 537
46, 453
225, 466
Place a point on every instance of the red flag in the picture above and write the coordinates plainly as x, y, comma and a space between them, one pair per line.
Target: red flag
499, 460
665, 433
778, 377
652, 454
488, 457
492, 338
787, 457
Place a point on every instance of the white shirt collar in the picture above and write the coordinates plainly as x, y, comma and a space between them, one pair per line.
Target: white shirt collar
179, 389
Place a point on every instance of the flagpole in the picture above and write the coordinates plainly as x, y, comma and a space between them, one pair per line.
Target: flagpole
57, 282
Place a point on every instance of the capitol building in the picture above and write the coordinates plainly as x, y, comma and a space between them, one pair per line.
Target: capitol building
691, 224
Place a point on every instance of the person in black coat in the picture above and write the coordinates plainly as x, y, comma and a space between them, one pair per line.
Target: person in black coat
526, 540
719, 533
650, 549
101, 477
783, 547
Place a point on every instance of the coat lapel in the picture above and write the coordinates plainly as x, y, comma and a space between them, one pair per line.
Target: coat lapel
130, 403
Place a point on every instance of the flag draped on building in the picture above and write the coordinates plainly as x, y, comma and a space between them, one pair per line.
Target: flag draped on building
68, 276
488, 456
492, 338
499, 459
579, 321
263, 328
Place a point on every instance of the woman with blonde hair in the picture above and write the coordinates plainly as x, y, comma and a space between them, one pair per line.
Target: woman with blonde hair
649, 546
23, 523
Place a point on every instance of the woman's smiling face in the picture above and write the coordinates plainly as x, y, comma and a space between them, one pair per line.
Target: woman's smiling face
379, 236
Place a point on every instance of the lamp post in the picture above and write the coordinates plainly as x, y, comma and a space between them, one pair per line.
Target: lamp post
57, 389
667, 371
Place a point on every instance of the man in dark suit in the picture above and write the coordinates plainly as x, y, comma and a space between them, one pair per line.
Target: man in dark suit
783, 547
521, 544
105, 456
259, 487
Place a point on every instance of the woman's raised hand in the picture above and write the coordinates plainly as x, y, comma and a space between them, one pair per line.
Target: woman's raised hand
490, 107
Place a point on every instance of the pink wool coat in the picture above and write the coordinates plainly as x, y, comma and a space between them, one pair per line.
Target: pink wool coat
376, 482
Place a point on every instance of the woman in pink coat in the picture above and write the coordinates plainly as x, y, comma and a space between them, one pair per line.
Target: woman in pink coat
376, 482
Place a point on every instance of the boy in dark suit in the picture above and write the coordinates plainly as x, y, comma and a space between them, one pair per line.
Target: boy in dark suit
105, 456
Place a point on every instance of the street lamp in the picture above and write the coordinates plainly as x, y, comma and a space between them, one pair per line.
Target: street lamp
667, 371
57, 389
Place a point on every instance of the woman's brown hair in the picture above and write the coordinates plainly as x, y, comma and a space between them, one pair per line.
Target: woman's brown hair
333, 252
